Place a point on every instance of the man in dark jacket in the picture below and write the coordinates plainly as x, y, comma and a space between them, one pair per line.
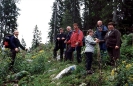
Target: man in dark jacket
14, 46
113, 42
69, 29
59, 44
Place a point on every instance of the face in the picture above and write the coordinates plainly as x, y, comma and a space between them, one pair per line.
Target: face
16, 33
61, 31
68, 29
75, 26
99, 23
110, 27
92, 33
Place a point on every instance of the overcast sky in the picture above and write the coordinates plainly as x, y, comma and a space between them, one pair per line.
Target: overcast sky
34, 12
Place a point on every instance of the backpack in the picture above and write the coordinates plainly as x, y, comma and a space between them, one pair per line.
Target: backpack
83, 40
6, 41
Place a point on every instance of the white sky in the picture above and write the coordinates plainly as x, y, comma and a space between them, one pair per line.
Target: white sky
34, 12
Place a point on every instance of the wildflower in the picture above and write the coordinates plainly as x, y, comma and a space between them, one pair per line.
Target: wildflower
130, 78
123, 62
113, 72
33, 57
41, 51
126, 84
128, 66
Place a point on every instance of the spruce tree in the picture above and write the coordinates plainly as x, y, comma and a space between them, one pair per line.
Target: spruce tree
37, 39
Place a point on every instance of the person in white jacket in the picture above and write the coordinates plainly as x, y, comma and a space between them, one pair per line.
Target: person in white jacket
89, 49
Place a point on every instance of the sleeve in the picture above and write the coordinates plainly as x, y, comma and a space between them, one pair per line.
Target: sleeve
21, 46
91, 41
65, 36
80, 37
118, 38
12, 42
105, 28
95, 34
56, 38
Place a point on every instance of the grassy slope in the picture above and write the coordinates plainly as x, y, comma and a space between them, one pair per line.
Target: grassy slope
75, 78
52, 68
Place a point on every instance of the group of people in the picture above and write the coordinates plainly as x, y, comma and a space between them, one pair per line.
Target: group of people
108, 38
72, 41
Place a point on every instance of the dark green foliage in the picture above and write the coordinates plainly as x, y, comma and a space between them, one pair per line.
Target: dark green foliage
119, 11
127, 46
8, 17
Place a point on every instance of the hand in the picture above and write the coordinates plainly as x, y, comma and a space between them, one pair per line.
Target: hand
65, 41
76, 43
16, 49
99, 28
97, 40
62, 38
58, 38
116, 47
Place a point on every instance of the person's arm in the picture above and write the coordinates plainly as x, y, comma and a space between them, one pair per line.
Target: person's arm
91, 41
12, 42
80, 37
118, 38
21, 46
105, 28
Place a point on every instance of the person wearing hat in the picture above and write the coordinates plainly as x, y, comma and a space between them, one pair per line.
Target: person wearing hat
113, 42
59, 44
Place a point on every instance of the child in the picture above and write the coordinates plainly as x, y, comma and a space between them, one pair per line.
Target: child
89, 49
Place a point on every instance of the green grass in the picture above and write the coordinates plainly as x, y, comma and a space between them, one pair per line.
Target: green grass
43, 68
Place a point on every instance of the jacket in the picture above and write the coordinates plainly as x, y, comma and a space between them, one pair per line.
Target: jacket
113, 38
101, 34
77, 36
15, 43
60, 43
89, 44
69, 35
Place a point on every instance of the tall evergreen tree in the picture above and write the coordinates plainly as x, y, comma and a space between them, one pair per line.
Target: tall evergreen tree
56, 20
8, 17
37, 39
23, 42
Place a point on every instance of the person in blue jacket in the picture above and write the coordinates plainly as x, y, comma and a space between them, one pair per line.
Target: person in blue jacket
100, 33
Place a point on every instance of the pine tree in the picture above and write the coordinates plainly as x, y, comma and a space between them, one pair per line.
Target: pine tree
23, 42
56, 20
37, 39
8, 17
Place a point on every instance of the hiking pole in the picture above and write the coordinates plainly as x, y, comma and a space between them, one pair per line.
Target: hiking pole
99, 61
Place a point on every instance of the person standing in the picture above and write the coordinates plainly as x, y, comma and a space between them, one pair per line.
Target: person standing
14, 46
113, 43
76, 43
89, 50
100, 33
59, 44
69, 29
